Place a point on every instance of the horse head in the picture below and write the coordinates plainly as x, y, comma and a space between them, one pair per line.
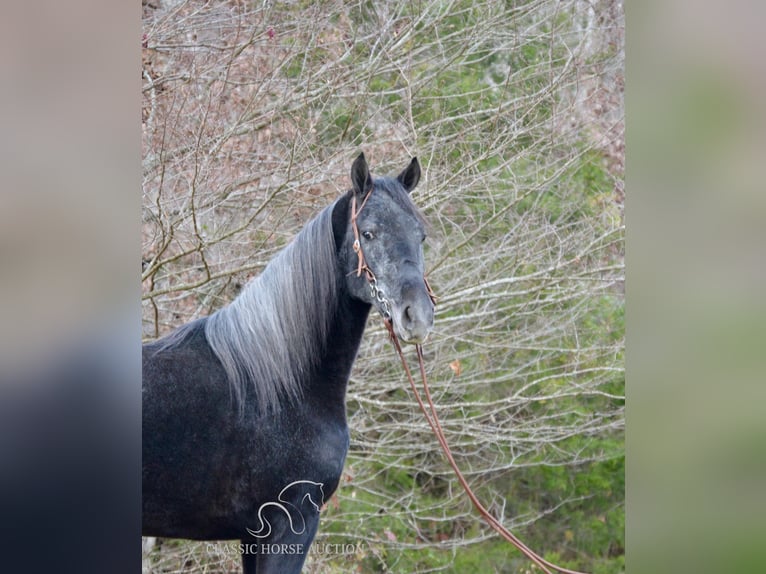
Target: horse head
381, 249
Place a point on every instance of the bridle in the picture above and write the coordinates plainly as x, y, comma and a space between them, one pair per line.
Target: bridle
433, 420
377, 294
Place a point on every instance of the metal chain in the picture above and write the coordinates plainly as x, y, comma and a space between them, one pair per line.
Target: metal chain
379, 295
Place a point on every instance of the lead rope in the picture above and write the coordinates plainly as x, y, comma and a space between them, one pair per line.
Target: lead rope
433, 419
435, 424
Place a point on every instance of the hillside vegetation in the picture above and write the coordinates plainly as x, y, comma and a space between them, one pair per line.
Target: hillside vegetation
252, 114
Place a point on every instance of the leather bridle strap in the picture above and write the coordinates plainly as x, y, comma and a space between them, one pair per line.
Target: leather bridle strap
362, 264
433, 422
376, 293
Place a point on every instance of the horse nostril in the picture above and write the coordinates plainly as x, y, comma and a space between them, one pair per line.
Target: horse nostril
407, 314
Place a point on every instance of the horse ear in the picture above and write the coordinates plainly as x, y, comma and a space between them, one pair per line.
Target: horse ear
360, 176
340, 221
410, 177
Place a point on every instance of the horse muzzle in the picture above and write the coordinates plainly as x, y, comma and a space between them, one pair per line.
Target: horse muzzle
413, 314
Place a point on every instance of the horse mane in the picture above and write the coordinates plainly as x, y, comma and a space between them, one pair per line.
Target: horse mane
271, 336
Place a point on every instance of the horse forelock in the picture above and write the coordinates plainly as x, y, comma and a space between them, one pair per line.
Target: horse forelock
272, 335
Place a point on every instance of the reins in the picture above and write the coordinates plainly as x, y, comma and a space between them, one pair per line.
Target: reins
432, 418
435, 424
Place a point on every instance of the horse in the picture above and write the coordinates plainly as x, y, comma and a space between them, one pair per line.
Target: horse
244, 416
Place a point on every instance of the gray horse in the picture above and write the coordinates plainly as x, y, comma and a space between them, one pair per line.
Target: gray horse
244, 415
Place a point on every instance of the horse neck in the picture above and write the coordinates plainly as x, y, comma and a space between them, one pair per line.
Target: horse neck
345, 337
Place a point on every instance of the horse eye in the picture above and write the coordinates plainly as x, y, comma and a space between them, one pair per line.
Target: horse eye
368, 235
